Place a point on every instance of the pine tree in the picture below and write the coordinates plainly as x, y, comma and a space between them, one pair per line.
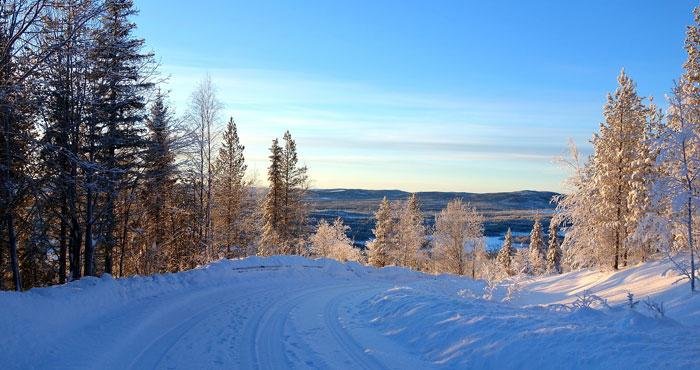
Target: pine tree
536, 251
410, 233
506, 254
379, 250
553, 250
229, 193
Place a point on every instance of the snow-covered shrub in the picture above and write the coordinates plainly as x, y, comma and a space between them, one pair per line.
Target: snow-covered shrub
655, 308
332, 242
588, 300
631, 303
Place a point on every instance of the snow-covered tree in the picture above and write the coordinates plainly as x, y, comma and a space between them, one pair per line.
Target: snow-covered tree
505, 255
331, 240
616, 149
553, 250
379, 249
536, 251
458, 231
607, 193
576, 209
679, 188
410, 233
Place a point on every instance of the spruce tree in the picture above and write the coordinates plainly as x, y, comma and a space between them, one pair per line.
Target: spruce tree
119, 80
293, 229
229, 192
537, 251
159, 176
506, 254
272, 205
379, 250
553, 250
410, 234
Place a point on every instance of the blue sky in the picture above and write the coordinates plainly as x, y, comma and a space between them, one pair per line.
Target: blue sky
417, 95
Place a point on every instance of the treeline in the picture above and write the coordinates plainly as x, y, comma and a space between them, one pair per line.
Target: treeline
98, 175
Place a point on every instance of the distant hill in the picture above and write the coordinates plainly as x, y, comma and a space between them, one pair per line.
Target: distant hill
501, 210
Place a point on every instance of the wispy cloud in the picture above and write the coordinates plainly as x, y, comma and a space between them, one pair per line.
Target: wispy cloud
355, 125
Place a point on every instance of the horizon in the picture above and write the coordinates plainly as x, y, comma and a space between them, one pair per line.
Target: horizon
464, 97
436, 191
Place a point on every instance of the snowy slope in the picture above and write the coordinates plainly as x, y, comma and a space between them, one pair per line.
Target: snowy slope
291, 312
655, 280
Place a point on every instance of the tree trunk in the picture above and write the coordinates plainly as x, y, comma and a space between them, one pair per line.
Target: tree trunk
2, 257
89, 259
690, 243
12, 243
63, 245
109, 241
125, 230
74, 246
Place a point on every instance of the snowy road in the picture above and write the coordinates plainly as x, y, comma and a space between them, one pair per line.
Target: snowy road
295, 313
277, 325
264, 320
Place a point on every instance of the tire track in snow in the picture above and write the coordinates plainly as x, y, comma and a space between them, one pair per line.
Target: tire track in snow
268, 347
154, 353
351, 346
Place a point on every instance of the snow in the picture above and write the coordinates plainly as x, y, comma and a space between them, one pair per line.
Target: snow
293, 312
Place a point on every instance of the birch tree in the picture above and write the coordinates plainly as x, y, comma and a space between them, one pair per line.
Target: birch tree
458, 231
203, 115
331, 241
